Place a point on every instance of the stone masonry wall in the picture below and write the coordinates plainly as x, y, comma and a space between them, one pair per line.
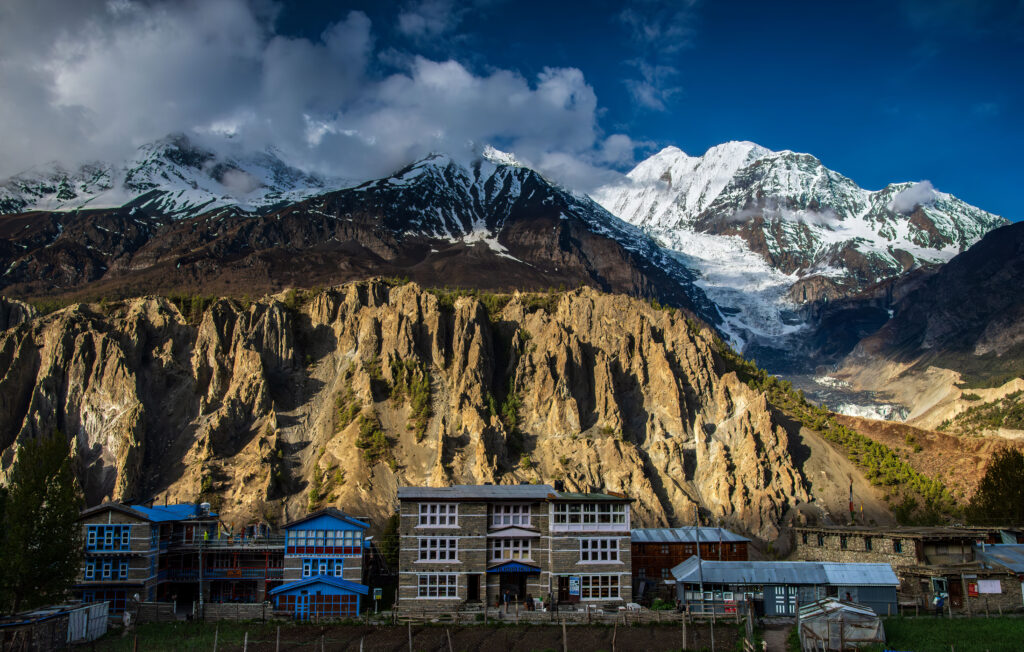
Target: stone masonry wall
882, 549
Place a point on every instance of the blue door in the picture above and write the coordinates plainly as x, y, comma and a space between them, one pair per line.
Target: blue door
302, 607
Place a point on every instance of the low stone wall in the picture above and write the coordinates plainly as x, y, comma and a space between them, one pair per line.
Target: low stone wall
571, 617
155, 612
237, 611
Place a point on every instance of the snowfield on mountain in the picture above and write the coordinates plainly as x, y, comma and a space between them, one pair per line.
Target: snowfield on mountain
772, 231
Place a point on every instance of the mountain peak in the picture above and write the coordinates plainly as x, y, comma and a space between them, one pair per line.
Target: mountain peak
499, 157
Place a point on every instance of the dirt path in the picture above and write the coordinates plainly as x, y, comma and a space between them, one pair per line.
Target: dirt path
775, 636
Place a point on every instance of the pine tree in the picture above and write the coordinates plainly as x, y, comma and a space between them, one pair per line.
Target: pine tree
40, 540
999, 498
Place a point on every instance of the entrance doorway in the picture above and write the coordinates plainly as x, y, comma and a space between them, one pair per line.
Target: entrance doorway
473, 588
515, 583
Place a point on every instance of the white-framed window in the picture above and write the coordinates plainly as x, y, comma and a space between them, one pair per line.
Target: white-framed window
90, 537
338, 567
445, 549
502, 515
599, 550
594, 587
123, 569
107, 568
438, 586
90, 570
321, 567
590, 514
439, 515
307, 567
126, 538
510, 549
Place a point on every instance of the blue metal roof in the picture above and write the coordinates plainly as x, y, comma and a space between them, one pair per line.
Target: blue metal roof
162, 513
329, 580
325, 514
858, 574
513, 567
785, 572
1007, 555
685, 535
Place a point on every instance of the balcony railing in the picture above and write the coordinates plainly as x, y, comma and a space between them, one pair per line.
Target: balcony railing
274, 541
192, 574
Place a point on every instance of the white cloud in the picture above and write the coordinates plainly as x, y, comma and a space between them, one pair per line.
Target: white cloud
666, 25
653, 89
659, 29
428, 18
905, 201
92, 80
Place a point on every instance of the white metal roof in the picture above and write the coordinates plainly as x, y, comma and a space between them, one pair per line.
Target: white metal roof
478, 491
685, 535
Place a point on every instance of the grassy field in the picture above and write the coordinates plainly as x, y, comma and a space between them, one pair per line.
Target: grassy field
959, 635
186, 637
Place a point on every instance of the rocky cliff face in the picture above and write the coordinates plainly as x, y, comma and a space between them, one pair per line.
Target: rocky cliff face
274, 407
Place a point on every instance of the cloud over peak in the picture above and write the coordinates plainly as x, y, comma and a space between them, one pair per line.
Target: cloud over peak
919, 194
110, 76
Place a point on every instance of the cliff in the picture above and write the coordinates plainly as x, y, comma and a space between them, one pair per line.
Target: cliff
272, 407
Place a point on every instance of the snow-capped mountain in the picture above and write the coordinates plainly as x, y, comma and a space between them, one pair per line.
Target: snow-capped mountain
773, 231
173, 176
492, 224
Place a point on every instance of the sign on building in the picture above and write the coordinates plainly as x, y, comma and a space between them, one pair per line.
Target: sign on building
574, 586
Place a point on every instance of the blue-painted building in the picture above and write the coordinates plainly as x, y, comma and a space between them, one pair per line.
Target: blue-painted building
323, 566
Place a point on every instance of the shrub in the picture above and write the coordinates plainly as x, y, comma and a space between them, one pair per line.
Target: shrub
372, 441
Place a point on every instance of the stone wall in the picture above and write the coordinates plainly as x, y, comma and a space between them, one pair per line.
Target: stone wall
916, 588
237, 611
155, 612
472, 555
883, 548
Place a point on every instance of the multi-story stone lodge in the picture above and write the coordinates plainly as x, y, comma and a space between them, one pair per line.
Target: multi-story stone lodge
474, 543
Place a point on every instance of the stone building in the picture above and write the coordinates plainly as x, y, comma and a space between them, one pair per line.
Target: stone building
471, 544
927, 560
900, 546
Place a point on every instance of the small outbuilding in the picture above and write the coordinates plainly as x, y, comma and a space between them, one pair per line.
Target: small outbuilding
832, 624
777, 588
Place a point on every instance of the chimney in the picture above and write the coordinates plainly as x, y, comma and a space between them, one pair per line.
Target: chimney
559, 485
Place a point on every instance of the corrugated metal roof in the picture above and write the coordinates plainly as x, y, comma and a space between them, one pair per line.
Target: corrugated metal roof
1007, 555
859, 574
785, 572
685, 535
485, 492
828, 606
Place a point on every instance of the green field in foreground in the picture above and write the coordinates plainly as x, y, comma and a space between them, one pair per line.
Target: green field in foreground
960, 635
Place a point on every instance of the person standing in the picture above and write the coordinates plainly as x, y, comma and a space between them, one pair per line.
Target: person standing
939, 602
507, 599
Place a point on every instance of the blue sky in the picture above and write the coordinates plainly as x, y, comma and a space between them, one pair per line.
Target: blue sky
880, 91
904, 90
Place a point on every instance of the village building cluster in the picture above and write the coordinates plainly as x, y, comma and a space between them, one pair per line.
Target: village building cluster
535, 546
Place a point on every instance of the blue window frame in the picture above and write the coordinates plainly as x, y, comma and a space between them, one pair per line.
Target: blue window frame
108, 537
90, 569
